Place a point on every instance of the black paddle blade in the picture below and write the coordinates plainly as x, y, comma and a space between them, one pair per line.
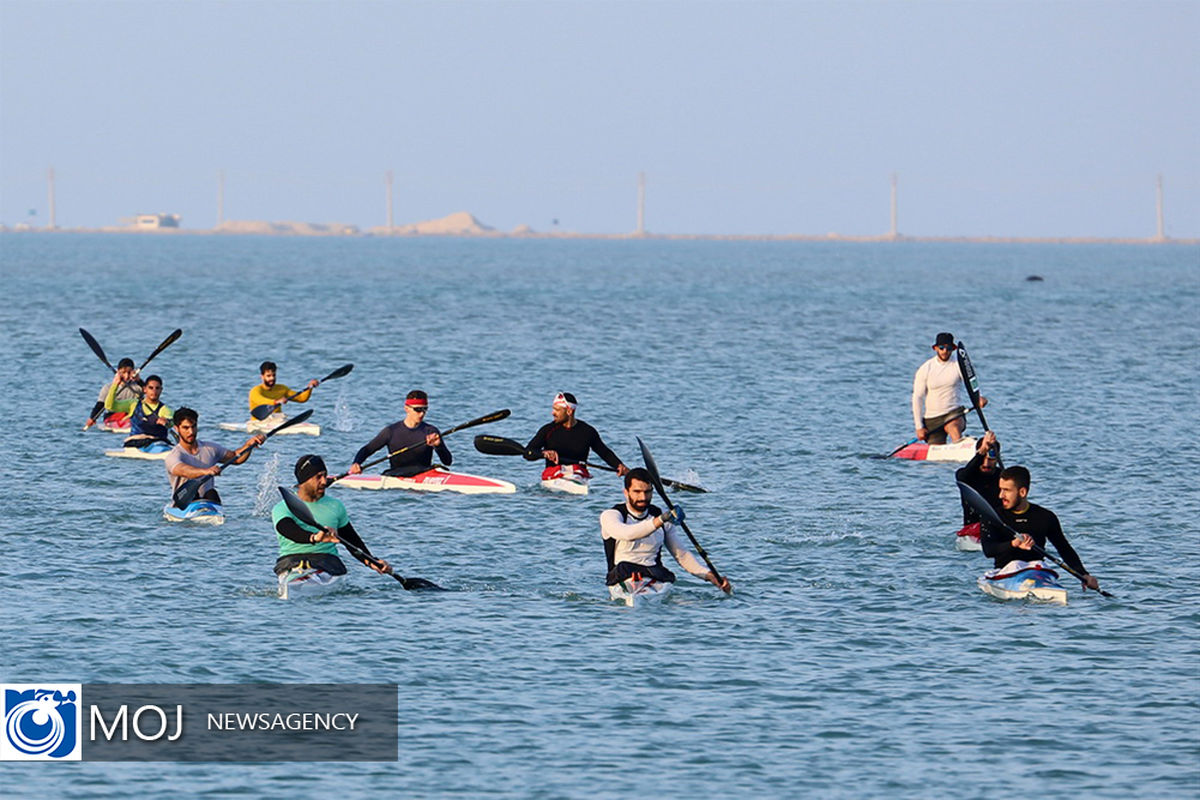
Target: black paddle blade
263, 411
340, 372
419, 584
652, 468
187, 490
684, 487
298, 507
498, 446
982, 507
495, 416
96, 348
167, 342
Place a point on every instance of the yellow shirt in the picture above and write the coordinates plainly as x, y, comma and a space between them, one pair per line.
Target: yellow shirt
261, 396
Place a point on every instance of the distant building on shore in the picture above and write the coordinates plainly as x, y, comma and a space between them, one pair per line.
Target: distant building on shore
147, 222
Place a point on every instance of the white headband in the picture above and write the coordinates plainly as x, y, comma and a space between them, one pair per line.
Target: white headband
562, 402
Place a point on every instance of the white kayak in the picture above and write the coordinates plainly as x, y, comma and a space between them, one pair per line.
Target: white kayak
567, 479
1021, 580
962, 450
198, 512
437, 479
269, 424
636, 593
155, 451
302, 582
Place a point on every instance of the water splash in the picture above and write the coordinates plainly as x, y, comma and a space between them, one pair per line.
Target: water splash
268, 491
343, 418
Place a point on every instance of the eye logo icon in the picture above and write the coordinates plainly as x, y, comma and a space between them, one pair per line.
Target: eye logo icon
41, 722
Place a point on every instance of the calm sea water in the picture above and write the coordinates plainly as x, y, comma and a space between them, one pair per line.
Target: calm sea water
856, 657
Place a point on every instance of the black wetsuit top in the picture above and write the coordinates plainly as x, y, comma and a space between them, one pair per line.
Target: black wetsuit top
986, 483
1038, 522
412, 462
572, 444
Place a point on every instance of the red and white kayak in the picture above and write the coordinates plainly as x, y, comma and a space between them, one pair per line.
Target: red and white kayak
634, 593
437, 479
967, 538
116, 423
962, 450
1024, 580
566, 478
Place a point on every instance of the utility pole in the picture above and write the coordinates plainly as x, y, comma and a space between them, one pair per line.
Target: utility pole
1162, 233
220, 197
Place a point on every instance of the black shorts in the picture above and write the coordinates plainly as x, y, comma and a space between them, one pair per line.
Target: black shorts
326, 562
939, 437
625, 570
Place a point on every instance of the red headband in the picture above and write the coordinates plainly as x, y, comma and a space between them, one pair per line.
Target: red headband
416, 402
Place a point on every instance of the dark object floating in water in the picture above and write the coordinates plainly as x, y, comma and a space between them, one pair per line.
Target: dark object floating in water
1035, 278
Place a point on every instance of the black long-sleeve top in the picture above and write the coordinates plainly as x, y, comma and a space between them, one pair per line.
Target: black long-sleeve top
986, 483
1041, 524
572, 444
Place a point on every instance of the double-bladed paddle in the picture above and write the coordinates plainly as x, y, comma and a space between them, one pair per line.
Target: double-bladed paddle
301, 512
187, 490
97, 349
495, 416
986, 512
266, 410
500, 446
652, 468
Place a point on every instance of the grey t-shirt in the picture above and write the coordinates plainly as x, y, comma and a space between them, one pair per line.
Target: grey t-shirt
207, 455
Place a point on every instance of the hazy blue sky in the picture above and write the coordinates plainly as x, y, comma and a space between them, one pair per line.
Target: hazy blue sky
1010, 118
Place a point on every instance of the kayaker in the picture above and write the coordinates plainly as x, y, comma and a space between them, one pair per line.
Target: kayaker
151, 418
939, 398
269, 392
407, 434
635, 531
192, 458
302, 546
982, 473
118, 395
1034, 525
566, 440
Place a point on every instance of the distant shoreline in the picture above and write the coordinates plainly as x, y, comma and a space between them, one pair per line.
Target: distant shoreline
382, 234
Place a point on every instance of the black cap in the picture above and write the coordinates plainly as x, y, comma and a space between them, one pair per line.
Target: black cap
944, 338
307, 466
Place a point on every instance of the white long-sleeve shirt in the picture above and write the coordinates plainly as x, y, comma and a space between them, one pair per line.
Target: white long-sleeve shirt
639, 542
938, 387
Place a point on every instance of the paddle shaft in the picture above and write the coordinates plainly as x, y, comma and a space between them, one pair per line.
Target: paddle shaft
495, 416
499, 446
652, 468
967, 369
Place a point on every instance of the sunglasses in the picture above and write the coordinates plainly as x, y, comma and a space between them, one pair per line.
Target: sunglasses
419, 409
943, 347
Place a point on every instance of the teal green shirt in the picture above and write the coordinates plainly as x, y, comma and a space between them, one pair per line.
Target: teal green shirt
327, 511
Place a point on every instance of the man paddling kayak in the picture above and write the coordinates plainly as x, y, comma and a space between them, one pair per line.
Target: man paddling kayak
118, 395
939, 398
269, 392
304, 547
982, 473
151, 418
566, 440
635, 531
1034, 526
192, 458
408, 435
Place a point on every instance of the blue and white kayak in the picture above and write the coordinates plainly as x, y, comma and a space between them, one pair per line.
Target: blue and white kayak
198, 512
306, 582
155, 451
642, 592
1021, 580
